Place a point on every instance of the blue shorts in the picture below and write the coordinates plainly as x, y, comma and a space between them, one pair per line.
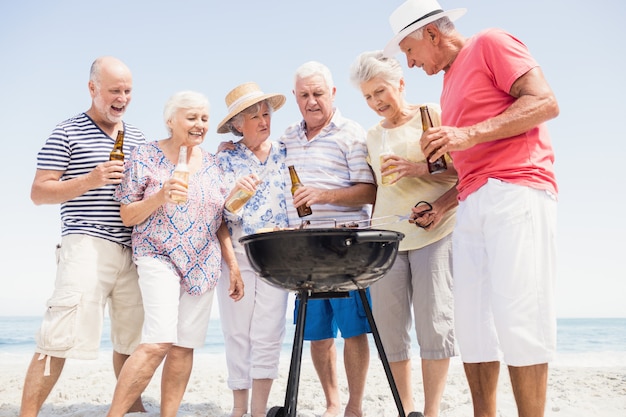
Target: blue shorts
325, 316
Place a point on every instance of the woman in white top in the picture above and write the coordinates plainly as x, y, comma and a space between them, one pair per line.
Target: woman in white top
421, 277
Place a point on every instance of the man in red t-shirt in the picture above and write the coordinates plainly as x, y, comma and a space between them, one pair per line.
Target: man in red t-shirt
495, 102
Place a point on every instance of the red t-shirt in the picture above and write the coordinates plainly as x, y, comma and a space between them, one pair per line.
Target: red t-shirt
475, 88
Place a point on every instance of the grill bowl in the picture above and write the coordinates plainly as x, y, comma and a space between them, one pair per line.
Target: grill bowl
322, 259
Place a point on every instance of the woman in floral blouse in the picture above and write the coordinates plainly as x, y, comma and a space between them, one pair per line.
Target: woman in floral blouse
178, 248
253, 328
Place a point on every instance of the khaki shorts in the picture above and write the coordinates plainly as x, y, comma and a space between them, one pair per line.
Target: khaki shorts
91, 272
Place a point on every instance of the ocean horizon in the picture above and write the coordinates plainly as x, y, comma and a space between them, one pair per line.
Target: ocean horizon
580, 341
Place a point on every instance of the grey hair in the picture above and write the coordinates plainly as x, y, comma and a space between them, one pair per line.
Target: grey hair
444, 25
236, 121
183, 100
372, 64
311, 68
95, 72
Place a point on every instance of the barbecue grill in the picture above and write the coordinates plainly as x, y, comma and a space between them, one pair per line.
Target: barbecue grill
323, 263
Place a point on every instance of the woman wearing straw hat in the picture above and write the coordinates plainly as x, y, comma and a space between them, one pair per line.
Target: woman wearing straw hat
254, 327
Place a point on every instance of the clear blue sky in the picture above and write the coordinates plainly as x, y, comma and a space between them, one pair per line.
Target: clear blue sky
46, 48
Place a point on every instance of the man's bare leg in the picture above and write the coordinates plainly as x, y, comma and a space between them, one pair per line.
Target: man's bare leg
530, 386
324, 357
356, 357
118, 363
483, 382
37, 387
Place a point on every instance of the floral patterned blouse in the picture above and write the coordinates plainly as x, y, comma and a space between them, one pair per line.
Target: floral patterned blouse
183, 236
267, 207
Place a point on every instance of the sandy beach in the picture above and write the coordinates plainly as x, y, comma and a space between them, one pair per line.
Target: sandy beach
85, 389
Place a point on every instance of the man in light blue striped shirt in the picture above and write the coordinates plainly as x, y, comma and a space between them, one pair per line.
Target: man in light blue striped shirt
329, 153
94, 259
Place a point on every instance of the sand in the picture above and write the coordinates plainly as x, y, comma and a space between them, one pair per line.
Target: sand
85, 389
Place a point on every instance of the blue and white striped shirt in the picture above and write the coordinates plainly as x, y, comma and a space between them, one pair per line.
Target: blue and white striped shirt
76, 146
335, 158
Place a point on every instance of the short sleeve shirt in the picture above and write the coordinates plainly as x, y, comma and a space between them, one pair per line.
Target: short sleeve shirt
475, 88
75, 147
267, 207
335, 158
399, 198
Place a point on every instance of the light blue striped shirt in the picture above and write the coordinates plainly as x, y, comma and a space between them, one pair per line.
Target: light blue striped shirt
335, 158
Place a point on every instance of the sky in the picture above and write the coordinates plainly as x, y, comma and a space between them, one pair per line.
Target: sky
47, 47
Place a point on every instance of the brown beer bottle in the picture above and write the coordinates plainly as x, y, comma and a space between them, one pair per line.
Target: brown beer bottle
440, 164
303, 210
117, 154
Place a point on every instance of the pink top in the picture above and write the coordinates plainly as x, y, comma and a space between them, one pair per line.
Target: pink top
182, 236
475, 88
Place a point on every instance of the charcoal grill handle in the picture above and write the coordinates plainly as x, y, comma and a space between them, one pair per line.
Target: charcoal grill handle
367, 236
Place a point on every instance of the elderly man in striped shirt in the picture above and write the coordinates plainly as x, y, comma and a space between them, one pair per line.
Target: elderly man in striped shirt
94, 265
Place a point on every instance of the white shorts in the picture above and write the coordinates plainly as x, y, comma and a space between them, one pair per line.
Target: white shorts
91, 271
171, 314
504, 246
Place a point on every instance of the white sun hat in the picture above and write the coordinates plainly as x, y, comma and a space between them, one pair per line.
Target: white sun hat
412, 15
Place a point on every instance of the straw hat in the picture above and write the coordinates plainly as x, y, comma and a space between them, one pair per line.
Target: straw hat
412, 15
244, 96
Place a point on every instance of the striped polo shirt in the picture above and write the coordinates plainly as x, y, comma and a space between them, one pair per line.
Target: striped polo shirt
76, 146
335, 158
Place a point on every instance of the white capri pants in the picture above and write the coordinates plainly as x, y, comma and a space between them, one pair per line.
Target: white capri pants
504, 249
253, 327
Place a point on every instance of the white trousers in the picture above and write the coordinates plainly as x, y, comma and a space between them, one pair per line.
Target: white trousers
504, 269
253, 327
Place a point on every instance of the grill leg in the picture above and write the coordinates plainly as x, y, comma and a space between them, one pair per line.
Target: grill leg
381, 352
291, 396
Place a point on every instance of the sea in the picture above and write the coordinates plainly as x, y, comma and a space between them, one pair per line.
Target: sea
592, 342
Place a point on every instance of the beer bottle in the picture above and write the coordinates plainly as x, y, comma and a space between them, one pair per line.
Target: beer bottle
303, 209
181, 172
241, 197
117, 154
440, 164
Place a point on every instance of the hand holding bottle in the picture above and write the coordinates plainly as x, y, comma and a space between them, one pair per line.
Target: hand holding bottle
242, 192
302, 207
440, 164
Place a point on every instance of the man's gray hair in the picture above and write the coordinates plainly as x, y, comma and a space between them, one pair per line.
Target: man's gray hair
311, 68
